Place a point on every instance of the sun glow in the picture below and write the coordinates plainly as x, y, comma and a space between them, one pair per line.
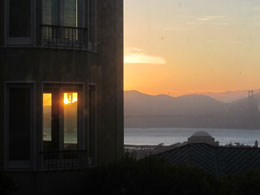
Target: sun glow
70, 98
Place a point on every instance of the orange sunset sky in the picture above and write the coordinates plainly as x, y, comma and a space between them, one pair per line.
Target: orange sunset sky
180, 47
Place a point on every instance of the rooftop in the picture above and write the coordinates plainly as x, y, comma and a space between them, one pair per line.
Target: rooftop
218, 160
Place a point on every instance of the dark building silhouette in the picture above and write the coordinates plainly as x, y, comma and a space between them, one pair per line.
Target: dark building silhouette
61, 83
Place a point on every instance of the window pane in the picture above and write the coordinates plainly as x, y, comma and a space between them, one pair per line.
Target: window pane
50, 12
19, 124
51, 120
70, 120
19, 18
47, 115
71, 13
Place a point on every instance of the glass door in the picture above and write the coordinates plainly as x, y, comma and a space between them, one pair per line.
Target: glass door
62, 135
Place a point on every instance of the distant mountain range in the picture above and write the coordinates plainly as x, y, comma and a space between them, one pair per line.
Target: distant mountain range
200, 111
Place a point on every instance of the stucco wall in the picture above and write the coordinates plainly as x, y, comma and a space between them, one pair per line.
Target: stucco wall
111, 57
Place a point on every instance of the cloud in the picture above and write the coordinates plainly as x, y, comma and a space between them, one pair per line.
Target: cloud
138, 56
210, 18
216, 20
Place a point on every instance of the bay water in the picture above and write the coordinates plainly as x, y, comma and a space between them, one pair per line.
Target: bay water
169, 136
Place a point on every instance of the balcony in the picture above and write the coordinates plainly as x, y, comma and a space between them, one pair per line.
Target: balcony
63, 160
63, 37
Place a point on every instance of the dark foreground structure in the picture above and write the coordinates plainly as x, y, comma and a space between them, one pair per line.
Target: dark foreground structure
61, 83
220, 161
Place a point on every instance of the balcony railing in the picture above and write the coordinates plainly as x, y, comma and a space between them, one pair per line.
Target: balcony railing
63, 36
64, 160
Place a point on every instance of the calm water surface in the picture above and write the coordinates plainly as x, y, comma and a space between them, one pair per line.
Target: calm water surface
168, 136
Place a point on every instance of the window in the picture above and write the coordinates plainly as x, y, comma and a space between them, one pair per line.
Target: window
19, 16
19, 125
63, 23
63, 127
61, 119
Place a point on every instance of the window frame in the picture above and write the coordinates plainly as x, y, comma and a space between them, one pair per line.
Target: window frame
14, 41
17, 164
92, 133
79, 87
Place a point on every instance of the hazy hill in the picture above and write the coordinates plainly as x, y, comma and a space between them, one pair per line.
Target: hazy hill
137, 103
142, 110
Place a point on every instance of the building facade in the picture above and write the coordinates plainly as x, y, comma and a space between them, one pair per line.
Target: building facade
61, 83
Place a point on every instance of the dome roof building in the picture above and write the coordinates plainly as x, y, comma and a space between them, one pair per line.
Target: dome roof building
202, 137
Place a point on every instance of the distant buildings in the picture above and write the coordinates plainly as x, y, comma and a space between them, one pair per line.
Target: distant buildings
200, 137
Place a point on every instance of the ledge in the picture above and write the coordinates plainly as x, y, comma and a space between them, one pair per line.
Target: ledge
47, 47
